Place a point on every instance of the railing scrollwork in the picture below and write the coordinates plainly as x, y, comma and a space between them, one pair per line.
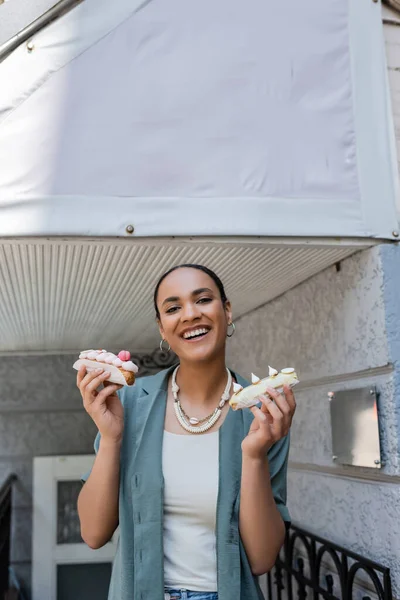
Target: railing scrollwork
310, 567
149, 364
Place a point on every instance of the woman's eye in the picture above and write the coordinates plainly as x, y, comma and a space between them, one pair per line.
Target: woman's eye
172, 309
204, 300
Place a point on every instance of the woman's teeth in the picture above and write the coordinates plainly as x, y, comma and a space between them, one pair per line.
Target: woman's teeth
195, 333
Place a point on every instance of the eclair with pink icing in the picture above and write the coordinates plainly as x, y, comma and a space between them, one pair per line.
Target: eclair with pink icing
122, 369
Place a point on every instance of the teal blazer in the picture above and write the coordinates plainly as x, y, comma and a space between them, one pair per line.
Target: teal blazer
138, 568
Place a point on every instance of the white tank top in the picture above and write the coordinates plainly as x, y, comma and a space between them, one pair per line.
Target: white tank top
190, 469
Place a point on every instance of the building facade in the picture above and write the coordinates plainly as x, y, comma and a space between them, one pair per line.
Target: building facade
333, 313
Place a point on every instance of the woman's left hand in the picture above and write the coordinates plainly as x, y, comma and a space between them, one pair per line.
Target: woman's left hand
271, 422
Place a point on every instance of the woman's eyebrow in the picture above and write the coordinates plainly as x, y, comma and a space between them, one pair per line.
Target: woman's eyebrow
201, 291
170, 299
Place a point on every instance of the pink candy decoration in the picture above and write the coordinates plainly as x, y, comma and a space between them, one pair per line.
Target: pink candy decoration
124, 355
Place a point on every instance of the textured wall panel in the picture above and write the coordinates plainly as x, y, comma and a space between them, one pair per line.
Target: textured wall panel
332, 324
391, 269
341, 328
32, 383
333, 327
47, 434
76, 295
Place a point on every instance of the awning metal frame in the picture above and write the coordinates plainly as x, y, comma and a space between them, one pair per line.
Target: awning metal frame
54, 13
64, 6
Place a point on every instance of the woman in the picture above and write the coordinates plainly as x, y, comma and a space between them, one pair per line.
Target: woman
201, 515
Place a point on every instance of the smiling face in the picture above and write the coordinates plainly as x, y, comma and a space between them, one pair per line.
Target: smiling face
193, 319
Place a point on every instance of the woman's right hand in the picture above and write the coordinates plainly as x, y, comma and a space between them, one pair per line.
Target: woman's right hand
104, 406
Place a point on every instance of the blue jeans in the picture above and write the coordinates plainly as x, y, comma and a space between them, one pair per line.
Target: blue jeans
172, 594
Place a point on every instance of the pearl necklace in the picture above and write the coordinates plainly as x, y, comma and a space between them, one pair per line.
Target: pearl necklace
193, 425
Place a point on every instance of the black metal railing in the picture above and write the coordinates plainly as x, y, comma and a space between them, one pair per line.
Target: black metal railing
152, 363
310, 567
5, 532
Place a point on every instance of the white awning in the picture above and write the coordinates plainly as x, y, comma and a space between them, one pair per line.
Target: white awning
190, 119
253, 137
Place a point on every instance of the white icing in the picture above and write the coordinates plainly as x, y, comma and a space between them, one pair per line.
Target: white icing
250, 395
237, 387
109, 358
130, 366
254, 378
272, 372
287, 371
89, 354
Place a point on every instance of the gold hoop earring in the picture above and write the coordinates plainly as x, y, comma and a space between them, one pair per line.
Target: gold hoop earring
233, 329
162, 349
